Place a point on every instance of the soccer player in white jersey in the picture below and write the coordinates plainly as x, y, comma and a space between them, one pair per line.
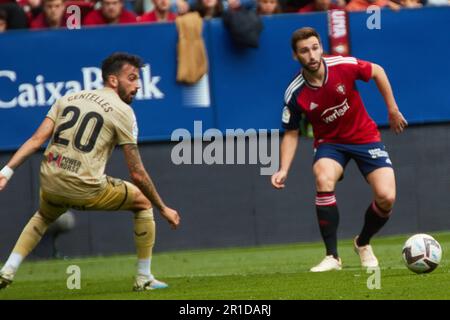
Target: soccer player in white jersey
83, 129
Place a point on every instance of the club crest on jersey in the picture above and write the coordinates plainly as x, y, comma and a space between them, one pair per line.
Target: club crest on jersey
340, 88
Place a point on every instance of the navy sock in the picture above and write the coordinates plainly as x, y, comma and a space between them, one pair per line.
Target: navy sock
328, 217
374, 220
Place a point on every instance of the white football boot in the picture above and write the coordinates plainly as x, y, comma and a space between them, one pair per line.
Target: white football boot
6, 278
143, 283
366, 255
329, 263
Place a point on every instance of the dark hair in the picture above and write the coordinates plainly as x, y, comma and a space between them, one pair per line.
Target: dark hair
3, 15
276, 11
303, 34
114, 63
201, 9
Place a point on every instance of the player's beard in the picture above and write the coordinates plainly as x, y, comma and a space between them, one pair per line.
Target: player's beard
308, 67
126, 97
312, 69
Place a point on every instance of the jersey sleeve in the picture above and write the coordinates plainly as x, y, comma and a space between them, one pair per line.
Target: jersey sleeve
291, 115
361, 69
53, 112
364, 71
127, 128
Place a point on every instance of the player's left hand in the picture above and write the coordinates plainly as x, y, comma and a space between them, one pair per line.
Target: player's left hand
397, 122
172, 217
3, 182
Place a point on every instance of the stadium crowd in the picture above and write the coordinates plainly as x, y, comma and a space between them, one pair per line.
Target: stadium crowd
42, 14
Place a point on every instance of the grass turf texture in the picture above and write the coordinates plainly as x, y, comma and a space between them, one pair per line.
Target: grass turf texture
266, 272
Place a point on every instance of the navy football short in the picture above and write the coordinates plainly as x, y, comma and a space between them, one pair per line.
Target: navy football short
368, 157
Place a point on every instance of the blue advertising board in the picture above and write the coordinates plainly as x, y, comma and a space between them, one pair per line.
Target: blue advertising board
243, 89
38, 67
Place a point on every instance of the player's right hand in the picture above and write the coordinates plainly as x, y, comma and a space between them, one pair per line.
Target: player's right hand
3, 182
278, 179
171, 216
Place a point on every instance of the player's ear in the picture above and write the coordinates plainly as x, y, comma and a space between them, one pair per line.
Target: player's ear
294, 55
113, 81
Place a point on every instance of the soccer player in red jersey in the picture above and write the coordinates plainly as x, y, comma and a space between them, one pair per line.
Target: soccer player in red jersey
325, 92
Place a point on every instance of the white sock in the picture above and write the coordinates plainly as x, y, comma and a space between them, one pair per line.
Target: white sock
13, 262
144, 267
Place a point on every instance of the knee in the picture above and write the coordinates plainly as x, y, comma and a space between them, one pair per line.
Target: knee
324, 182
385, 200
141, 202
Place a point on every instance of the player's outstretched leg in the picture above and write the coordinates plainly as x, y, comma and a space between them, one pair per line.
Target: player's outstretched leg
383, 184
30, 237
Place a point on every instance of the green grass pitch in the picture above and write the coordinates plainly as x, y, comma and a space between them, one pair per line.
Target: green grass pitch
266, 272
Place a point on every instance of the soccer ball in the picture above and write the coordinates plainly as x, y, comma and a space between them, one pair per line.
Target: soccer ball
422, 253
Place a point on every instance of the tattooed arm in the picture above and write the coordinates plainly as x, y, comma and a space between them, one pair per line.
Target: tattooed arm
140, 176
142, 180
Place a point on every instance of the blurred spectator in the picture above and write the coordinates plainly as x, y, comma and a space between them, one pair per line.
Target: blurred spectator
293, 5
182, 6
3, 20
268, 7
32, 8
215, 8
16, 17
110, 12
160, 13
319, 5
209, 8
362, 5
237, 4
411, 3
143, 6
52, 15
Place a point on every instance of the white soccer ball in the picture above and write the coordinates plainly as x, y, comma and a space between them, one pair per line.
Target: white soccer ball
422, 253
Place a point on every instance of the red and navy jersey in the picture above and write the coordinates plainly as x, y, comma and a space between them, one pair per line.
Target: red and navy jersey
335, 109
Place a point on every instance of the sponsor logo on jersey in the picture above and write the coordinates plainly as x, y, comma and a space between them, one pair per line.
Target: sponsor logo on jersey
63, 162
331, 114
54, 159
